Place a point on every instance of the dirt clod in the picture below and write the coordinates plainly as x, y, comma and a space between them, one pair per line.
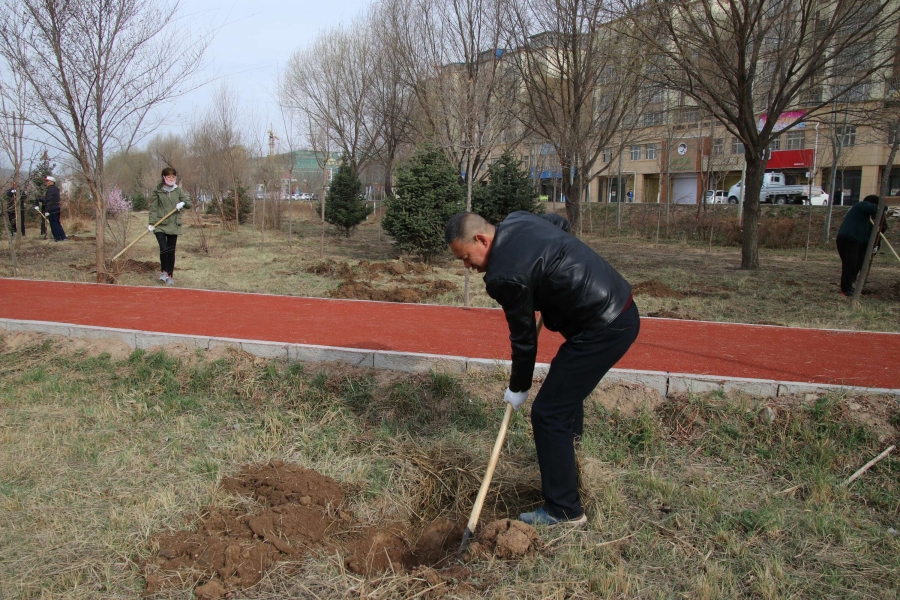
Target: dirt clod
507, 539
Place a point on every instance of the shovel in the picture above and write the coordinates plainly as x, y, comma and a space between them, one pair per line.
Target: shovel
42, 216
155, 225
492, 464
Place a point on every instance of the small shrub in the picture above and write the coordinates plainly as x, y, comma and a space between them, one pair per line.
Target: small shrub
428, 194
345, 206
139, 202
508, 189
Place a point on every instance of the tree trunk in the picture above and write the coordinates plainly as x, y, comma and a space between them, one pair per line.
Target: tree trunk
750, 234
100, 219
572, 191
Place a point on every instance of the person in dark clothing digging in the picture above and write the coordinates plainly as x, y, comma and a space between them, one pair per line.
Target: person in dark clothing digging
853, 239
532, 264
52, 209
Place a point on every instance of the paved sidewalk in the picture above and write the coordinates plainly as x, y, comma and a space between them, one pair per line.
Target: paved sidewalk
704, 349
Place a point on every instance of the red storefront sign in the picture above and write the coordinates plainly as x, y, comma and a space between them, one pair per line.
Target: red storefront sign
790, 159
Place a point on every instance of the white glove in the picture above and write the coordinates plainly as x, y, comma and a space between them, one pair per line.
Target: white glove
179, 206
46, 214
515, 398
149, 227
38, 208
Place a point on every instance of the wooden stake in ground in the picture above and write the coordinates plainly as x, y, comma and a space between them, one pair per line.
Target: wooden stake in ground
155, 225
868, 466
492, 464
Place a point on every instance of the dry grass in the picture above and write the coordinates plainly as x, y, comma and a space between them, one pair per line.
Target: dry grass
791, 288
698, 498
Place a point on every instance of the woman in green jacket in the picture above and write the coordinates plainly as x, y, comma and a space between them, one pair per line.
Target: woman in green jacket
167, 196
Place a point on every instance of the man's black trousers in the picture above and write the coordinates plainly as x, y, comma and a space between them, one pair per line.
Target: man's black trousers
557, 414
852, 255
166, 251
56, 227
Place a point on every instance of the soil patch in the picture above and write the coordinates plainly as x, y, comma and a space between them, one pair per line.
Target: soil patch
361, 290
657, 289
627, 399
297, 511
506, 539
139, 266
353, 289
116, 349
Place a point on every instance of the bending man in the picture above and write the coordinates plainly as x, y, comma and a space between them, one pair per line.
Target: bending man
532, 264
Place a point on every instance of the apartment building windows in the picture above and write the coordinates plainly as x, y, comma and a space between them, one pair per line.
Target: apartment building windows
650, 151
636, 153
775, 144
737, 147
718, 147
653, 118
846, 135
795, 140
689, 115
607, 155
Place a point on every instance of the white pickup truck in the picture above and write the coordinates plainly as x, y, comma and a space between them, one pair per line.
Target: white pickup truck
774, 191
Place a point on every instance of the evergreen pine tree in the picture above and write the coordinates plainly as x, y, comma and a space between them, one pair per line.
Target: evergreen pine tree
345, 206
508, 189
36, 178
428, 193
244, 201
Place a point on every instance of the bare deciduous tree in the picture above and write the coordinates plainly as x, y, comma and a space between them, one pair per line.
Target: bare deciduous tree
97, 69
14, 113
218, 143
453, 61
748, 63
333, 82
580, 79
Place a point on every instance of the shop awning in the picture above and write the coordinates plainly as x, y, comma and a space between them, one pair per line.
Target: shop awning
790, 159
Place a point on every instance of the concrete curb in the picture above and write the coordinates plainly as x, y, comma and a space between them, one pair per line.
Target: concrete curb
662, 382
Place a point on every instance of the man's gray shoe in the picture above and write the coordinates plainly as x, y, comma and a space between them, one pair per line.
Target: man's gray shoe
170, 281
541, 517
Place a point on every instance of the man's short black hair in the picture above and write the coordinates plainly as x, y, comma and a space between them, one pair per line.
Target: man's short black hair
464, 226
871, 199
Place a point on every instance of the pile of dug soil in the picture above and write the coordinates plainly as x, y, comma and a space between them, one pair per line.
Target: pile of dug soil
357, 281
299, 511
361, 290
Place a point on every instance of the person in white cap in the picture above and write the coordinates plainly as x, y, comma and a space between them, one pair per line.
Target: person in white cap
52, 208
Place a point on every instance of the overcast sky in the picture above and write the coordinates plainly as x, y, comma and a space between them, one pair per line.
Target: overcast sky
253, 41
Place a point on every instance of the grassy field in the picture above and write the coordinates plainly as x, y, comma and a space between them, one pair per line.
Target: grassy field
683, 277
694, 497
713, 496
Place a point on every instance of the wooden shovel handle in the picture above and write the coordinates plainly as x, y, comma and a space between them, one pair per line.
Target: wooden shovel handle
169, 214
495, 456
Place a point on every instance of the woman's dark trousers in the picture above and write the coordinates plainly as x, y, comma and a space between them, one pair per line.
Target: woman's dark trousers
167, 252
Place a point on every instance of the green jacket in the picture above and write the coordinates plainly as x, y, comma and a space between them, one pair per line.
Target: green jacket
161, 202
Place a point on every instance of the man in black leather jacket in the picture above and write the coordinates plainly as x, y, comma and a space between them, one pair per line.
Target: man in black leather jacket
532, 264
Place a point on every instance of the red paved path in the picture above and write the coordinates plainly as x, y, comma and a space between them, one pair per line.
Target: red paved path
704, 348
